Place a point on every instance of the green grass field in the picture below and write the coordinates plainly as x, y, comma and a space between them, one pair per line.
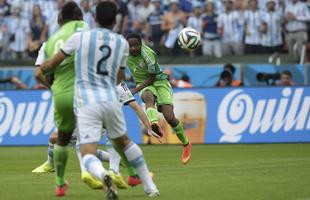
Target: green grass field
249, 172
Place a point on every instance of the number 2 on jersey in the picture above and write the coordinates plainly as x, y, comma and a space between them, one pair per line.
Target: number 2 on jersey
106, 54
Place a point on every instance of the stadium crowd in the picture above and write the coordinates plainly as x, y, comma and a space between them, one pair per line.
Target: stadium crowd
228, 27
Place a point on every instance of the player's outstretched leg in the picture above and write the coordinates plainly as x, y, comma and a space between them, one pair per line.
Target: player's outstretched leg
86, 177
94, 166
135, 157
151, 112
48, 166
114, 163
60, 161
177, 126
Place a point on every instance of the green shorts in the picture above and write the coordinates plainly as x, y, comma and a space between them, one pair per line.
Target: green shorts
64, 114
162, 91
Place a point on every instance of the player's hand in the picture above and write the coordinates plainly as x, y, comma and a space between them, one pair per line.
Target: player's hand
151, 133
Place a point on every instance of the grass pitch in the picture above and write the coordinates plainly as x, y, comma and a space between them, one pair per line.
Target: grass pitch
249, 172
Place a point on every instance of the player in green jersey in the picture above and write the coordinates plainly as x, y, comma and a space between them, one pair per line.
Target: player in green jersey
70, 20
155, 89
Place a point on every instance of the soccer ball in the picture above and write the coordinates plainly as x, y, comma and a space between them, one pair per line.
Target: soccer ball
189, 39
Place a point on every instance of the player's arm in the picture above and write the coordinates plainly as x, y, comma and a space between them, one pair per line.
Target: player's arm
120, 75
142, 116
149, 81
52, 63
37, 72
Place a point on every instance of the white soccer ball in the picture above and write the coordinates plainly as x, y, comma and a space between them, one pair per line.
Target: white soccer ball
189, 39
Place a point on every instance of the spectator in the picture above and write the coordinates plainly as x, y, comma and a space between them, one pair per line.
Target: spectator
133, 22
186, 6
5, 8
252, 29
271, 29
229, 26
121, 17
37, 25
211, 44
296, 16
144, 12
19, 34
3, 36
173, 22
52, 24
184, 82
15, 81
195, 19
262, 4
154, 23
227, 78
286, 79
88, 14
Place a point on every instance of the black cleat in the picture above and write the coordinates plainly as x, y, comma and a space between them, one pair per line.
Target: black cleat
110, 188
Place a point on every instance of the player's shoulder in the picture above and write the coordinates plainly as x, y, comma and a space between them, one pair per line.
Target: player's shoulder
120, 37
145, 49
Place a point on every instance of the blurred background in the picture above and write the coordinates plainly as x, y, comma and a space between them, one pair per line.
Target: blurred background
247, 45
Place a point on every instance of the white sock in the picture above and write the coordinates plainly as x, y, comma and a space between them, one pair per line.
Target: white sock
103, 155
136, 159
115, 159
79, 155
50, 154
94, 166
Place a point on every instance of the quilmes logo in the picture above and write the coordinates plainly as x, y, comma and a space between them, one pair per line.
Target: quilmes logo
26, 118
238, 112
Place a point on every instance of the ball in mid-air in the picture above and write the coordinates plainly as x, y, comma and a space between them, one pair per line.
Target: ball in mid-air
189, 39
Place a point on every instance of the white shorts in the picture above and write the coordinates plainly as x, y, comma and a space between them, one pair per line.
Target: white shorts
92, 119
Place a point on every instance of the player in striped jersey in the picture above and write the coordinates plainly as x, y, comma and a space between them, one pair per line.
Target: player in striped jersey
271, 28
252, 29
230, 27
126, 98
100, 54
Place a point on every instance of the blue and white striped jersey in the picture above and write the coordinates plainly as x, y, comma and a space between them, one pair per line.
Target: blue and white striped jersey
273, 36
302, 14
253, 24
99, 54
232, 24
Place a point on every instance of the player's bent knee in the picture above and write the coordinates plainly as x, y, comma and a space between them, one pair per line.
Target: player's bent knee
53, 137
148, 97
122, 141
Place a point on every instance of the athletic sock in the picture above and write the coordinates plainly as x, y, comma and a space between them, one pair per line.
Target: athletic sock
60, 161
50, 154
115, 160
103, 155
179, 130
136, 159
94, 166
79, 155
152, 114
130, 169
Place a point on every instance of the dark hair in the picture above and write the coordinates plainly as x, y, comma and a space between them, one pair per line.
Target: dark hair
185, 77
134, 35
288, 73
71, 11
230, 67
106, 12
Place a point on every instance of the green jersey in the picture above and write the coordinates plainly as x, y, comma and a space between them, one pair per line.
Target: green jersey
143, 65
64, 74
